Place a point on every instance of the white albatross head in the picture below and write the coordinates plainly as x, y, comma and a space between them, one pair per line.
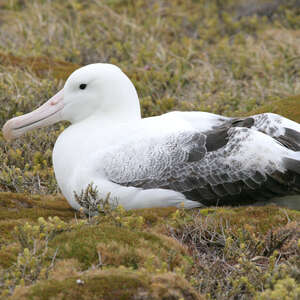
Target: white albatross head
93, 91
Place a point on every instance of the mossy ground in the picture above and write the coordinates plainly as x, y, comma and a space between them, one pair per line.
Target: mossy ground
218, 253
231, 57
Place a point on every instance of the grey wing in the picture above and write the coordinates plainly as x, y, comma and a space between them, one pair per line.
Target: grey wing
286, 131
222, 166
144, 162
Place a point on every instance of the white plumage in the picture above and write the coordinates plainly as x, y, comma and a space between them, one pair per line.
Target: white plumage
194, 158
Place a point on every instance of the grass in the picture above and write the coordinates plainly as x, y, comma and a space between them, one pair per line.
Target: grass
230, 57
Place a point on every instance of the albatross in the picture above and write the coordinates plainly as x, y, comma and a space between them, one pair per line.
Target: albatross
192, 159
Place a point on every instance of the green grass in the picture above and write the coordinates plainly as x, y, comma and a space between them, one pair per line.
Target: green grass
230, 57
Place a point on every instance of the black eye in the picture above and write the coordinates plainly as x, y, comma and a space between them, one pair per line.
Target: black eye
82, 86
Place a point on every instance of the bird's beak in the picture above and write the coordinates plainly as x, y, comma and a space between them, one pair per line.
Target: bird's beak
47, 114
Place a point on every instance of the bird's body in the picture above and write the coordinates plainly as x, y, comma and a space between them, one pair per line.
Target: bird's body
189, 158
96, 155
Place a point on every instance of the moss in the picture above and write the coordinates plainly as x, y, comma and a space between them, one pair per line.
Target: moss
287, 107
31, 207
42, 66
9, 254
65, 268
85, 247
119, 246
260, 219
111, 284
17, 209
257, 218
155, 216
6, 229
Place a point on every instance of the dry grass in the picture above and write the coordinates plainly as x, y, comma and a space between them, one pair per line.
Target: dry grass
243, 252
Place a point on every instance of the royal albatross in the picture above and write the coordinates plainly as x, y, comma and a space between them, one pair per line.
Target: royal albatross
189, 158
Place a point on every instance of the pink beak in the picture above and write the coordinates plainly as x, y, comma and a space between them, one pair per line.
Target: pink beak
47, 114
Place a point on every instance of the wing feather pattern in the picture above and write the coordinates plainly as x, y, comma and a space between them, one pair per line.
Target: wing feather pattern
285, 131
226, 165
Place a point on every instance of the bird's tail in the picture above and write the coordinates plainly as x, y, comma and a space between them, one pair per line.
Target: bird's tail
292, 165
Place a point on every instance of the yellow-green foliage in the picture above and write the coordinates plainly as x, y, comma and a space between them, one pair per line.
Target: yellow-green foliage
231, 57
118, 246
230, 252
283, 289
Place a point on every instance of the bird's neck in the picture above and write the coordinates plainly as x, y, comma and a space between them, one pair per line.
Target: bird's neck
110, 117
111, 112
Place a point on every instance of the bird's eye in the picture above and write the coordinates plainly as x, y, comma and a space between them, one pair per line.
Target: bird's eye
82, 86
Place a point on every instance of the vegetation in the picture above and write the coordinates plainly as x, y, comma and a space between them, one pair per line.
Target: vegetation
217, 253
230, 57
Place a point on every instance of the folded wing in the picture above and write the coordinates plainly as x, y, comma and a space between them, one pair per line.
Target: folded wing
226, 165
